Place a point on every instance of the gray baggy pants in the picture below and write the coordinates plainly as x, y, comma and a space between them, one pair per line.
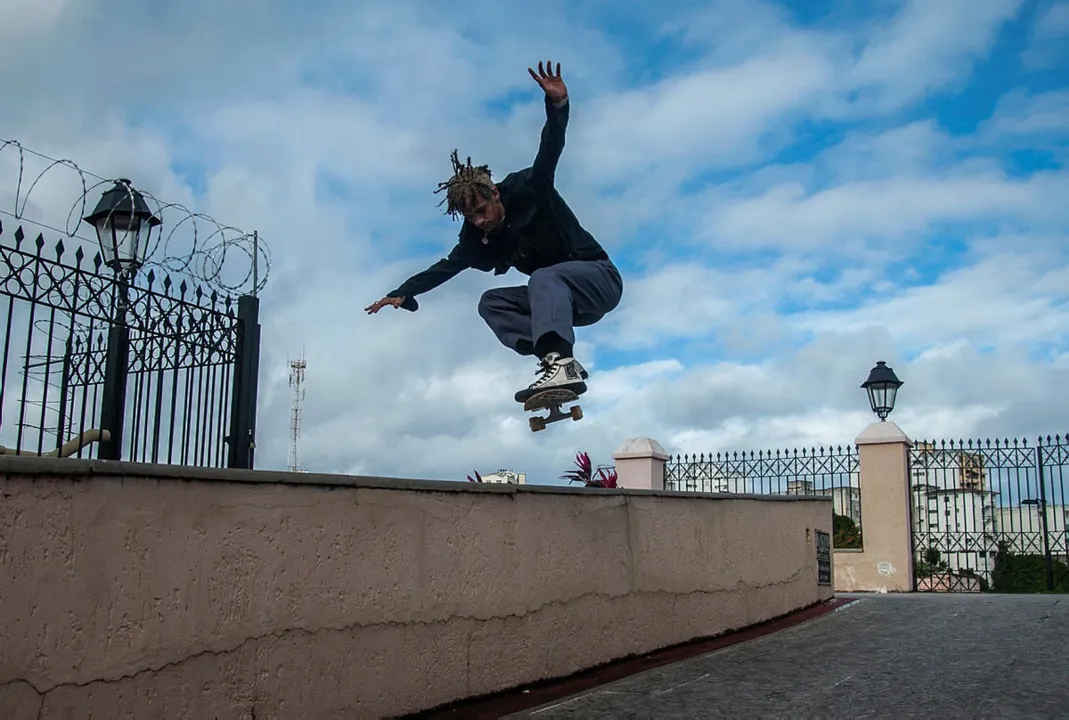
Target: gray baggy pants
556, 299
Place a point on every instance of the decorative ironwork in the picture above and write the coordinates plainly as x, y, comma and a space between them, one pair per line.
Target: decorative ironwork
831, 471
990, 515
154, 360
192, 244
202, 324
186, 351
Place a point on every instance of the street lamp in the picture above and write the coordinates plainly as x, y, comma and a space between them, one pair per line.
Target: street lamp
882, 386
123, 224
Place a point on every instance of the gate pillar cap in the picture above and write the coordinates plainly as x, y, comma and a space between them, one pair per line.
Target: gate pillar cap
640, 447
883, 432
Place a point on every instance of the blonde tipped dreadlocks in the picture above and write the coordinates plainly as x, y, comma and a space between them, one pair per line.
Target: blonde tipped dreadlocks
467, 182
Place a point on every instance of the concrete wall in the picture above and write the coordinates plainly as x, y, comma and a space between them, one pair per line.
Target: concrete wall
138, 591
885, 564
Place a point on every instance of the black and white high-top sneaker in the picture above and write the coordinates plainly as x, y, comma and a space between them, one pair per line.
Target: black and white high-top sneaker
554, 372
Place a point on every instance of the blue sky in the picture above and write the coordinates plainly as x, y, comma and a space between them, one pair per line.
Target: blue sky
794, 191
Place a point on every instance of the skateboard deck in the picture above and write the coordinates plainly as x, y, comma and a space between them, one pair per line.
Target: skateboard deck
552, 400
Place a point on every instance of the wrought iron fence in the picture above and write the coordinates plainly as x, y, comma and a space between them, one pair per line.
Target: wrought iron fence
990, 515
831, 471
156, 366
68, 327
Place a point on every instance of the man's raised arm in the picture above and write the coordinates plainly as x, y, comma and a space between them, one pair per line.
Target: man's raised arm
552, 141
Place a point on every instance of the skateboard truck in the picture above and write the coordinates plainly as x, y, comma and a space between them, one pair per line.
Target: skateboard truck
552, 400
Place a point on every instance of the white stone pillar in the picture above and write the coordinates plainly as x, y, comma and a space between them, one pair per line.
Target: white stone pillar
640, 464
885, 564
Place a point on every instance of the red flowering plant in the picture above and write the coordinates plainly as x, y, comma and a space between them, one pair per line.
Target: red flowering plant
604, 477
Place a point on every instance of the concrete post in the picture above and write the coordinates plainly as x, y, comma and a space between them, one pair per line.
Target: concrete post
885, 563
640, 464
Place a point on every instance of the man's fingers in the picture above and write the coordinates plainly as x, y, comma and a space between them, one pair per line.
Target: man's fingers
545, 71
380, 304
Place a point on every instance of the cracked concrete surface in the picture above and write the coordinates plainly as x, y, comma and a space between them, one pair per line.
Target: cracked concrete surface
19, 699
135, 597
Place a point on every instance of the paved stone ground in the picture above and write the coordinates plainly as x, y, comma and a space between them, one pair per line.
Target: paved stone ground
915, 655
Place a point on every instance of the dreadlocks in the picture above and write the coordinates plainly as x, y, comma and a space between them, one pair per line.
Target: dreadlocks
467, 182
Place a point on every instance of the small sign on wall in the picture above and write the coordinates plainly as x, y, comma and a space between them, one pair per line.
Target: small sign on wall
823, 558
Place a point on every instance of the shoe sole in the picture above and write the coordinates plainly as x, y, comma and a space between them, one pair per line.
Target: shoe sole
567, 391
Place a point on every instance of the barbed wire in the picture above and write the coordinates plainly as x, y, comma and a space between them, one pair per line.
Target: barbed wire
210, 244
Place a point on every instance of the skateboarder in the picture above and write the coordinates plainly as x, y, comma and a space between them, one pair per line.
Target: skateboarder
523, 222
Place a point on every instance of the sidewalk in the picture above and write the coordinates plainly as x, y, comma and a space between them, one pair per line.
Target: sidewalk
915, 655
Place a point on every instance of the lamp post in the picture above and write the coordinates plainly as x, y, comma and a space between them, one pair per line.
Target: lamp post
123, 225
882, 386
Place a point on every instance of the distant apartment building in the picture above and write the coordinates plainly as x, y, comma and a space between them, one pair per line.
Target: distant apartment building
506, 477
710, 477
1023, 528
953, 508
957, 510
845, 497
713, 477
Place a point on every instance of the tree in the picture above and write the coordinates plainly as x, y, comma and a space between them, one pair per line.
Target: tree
846, 533
1017, 573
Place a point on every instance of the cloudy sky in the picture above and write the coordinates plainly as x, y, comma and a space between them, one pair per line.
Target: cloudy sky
793, 191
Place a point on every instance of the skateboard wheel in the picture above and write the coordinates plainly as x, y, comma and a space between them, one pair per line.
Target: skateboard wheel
537, 424
577, 413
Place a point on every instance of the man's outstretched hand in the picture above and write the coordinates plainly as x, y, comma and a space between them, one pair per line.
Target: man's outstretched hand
552, 84
380, 304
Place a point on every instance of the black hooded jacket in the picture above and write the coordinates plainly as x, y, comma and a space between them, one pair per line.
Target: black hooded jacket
539, 229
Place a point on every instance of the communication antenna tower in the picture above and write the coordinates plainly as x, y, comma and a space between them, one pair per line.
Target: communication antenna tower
297, 383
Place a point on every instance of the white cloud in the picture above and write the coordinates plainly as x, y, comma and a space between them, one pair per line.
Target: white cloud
1006, 298
28, 21
1054, 21
927, 46
714, 117
1048, 36
682, 301
906, 150
1027, 117
848, 216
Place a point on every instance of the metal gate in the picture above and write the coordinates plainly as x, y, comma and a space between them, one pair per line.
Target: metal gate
990, 516
144, 354
172, 376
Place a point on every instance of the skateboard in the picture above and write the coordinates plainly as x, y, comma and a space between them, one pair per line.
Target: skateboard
552, 400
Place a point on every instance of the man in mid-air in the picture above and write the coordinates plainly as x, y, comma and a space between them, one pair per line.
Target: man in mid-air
522, 222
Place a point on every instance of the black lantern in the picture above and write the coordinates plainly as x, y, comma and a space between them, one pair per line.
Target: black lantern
882, 386
123, 223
